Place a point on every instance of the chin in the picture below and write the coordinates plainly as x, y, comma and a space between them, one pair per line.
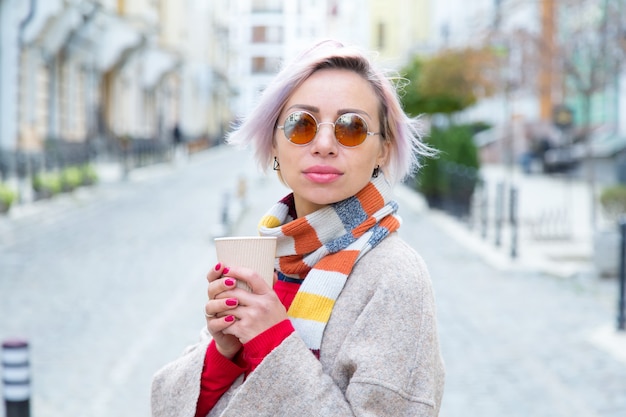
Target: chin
327, 199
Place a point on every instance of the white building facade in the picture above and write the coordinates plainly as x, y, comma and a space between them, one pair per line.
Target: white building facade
96, 72
265, 33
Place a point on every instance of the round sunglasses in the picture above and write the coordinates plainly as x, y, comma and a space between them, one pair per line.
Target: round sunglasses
301, 127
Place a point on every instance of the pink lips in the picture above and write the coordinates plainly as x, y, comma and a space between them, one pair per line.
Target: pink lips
322, 174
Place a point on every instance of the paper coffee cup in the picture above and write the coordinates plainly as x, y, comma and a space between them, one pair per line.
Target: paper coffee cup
253, 252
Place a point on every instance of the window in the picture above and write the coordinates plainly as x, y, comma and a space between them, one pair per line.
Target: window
265, 65
267, 34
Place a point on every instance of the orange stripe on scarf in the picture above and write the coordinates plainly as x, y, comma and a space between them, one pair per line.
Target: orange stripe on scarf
370, 199
293, 265
307, 240
342, 261
390, 223
363, 227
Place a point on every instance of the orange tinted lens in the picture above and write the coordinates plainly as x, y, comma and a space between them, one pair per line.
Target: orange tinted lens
300, 128
350, 129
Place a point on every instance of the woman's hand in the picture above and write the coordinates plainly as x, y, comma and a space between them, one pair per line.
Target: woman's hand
238, 313
234, 315
257, 310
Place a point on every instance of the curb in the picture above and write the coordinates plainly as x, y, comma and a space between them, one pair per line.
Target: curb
530, 259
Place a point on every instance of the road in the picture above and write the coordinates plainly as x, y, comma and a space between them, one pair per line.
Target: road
108, 285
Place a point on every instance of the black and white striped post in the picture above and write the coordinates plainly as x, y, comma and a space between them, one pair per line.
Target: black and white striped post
16, 378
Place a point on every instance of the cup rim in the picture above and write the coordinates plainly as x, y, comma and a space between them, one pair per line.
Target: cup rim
246, 238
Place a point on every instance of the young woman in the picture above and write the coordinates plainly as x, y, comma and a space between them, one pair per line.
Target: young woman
349, 327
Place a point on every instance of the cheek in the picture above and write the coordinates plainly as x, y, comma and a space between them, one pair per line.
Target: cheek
375, 155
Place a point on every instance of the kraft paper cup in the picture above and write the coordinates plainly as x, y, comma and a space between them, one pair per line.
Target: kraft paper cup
254, 252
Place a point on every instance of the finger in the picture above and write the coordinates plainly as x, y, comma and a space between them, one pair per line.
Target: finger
219, 324
251, 278
231, 303
222, 288
209, 313
216, 272
216, 308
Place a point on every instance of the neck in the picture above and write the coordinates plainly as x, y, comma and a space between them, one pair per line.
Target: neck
304, 208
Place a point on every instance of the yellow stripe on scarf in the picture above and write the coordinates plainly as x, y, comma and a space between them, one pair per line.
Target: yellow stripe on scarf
311, 307
269, 221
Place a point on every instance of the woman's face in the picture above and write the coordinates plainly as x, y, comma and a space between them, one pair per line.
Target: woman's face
323, 171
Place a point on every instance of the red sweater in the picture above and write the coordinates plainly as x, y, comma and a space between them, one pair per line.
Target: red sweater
219, 373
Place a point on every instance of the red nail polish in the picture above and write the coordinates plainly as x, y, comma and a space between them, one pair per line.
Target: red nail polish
231, 302
225, 271
229, 282
229, 319
218, 266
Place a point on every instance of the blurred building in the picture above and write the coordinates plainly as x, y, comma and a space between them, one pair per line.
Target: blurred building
100, 73
104, 71
98, 79
12, 13
265, 33
400, 29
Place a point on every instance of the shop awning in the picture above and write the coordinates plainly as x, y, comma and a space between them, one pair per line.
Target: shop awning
156, 63
94, 34
116, 37
43, 19
55, 29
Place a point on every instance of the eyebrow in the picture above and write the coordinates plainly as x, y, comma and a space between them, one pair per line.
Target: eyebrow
314, 109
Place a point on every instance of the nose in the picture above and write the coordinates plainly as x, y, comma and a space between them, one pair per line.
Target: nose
325, 142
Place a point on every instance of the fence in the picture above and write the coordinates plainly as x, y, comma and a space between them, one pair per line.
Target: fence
62, 166
496, 213
59, 154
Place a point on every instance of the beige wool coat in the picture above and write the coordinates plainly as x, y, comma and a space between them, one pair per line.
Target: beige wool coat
379, 355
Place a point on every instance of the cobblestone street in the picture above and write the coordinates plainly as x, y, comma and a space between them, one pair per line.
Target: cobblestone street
108, 286
518, 343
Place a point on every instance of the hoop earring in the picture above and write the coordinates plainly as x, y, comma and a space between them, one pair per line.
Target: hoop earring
376, 171
276, 166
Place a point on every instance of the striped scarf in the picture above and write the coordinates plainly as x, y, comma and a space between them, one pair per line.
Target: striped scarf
324, 247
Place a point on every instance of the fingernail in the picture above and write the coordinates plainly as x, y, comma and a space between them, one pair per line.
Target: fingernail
229, 319
225, 271
229, 282
231, 302
218, 266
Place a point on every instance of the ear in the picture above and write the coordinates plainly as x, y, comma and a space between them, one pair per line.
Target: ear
383, 154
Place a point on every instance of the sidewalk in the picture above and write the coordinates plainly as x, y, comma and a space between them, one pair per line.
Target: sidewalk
111, 183
568, 256
554, 233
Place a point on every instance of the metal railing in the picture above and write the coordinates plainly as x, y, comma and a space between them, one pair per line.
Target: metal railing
27, 168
